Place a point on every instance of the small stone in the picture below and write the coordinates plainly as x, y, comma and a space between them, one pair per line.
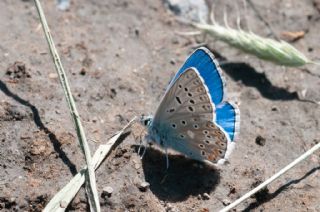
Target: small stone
63, 5
261, 141
168, 207
303, 93
137, 32
107, 191
206, 196
274, 108
226, 202
144, 186
191, 10
94, 119
12, 199
53, 75
83, 71
137, 166
63, 204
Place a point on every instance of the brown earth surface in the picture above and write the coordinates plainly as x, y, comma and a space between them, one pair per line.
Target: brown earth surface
119, 56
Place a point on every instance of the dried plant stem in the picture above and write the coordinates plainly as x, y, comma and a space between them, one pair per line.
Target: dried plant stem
67, 193
91, 182
271, 179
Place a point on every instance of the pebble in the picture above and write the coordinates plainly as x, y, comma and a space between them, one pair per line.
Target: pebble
53, 75
274, 108
226, 202
107, 191
261, 141
206, 196
192, 10
144, 186
137, 166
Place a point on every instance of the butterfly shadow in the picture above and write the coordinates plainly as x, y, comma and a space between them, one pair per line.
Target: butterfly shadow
251, 78
183, 178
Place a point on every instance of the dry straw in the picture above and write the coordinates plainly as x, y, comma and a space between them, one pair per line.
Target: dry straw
62, 199
90, 176
271, 179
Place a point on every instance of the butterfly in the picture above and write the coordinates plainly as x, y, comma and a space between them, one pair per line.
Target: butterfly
193, 117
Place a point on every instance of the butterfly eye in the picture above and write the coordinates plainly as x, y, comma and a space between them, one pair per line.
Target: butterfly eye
205, 132
191, 109
180, 86
195, 126
220, 151
207, 142
201, 146
186, 89
145, 122
182, 136
190, 94
173, 125
209, 136
183, 122
192, 101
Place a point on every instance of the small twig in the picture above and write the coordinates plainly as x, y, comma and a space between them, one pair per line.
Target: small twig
271, 179
91, 181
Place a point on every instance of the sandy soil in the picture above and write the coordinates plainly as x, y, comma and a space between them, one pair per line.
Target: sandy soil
119, 56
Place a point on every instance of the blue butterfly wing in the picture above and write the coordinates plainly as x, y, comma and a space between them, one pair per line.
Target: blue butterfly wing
228, 117
203, 60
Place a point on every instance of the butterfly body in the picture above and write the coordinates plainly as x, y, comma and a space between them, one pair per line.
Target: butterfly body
186, 119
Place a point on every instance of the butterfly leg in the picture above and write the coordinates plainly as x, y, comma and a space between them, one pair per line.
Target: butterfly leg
167, 157
144, 151
140, 145
148, 141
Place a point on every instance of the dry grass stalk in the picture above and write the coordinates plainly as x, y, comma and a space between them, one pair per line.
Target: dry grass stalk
90, 176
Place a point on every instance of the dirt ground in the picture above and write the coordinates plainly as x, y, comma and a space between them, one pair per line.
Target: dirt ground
119, 56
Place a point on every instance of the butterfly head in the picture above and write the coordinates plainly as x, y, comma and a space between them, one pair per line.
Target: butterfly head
146, 120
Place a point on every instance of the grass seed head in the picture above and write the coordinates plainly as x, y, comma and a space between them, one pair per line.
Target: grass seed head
279, 52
